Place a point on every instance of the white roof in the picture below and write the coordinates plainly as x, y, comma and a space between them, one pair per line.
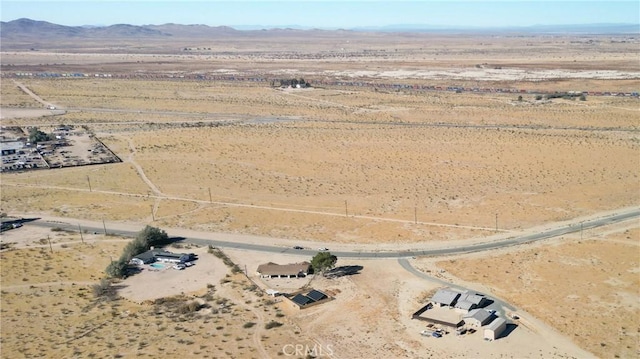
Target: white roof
496, 324
12, 145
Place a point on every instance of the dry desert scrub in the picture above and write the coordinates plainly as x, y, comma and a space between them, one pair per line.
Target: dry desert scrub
403, 157
200, 100
49, 311
13, 96
587, 289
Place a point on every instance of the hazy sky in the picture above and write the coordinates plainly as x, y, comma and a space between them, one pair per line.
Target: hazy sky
324, 13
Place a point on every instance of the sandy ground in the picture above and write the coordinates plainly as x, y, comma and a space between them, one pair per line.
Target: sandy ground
47, 302
351, 168
208, 269
589, 275
379, 300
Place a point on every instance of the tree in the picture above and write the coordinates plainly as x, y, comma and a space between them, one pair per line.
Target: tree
538, 97
583, 97
36, 135
117, 269
520, 98
323, 261
152, 236
146, 238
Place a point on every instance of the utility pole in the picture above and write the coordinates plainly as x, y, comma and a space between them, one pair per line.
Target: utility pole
104, 226
89, 182
346, 210
80, 230
50, 246
153, 216
581, 225
415, 215
496, 222
210, 200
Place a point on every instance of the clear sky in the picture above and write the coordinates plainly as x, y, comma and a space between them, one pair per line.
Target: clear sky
325, 13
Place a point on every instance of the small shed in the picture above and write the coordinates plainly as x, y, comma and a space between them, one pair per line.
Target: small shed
495, 329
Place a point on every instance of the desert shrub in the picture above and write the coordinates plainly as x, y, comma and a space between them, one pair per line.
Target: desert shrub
190, 307
272, 324
248, 324
104, 290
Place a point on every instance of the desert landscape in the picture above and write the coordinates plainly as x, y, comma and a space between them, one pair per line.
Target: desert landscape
353, 163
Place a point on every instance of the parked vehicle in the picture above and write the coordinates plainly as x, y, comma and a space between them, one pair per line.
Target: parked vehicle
179, 266
297, 247
323, 249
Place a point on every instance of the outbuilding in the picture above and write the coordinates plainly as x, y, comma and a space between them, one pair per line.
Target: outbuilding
495, 329
478, 317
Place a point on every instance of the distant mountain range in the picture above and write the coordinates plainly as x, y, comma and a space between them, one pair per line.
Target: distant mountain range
27, 29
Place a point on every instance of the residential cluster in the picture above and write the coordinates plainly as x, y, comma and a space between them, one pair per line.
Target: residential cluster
462, 312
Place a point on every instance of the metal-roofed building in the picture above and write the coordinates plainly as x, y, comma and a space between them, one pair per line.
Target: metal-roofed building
445, 297
468, 301
478, 317
495, 329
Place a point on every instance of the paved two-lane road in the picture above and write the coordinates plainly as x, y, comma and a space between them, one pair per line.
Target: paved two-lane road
516, 240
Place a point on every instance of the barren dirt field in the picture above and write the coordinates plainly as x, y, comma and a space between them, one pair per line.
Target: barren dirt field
347, 167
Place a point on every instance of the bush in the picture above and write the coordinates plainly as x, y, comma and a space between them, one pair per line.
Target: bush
190, 307
248, 324
104, 290
272, 324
